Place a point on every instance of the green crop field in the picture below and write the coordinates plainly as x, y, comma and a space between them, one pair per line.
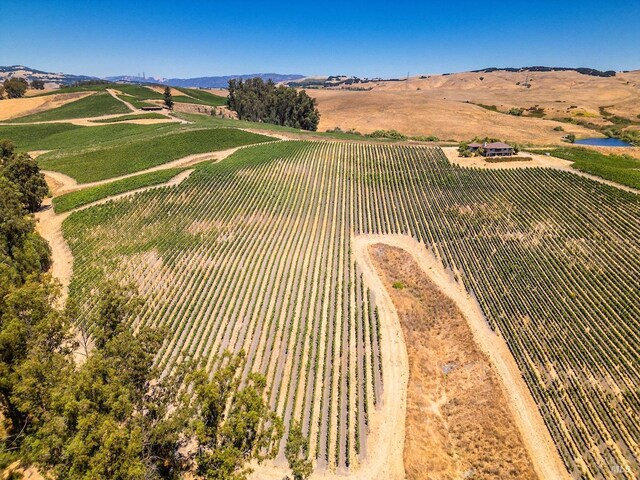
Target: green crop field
201, 97
141, 116
253, 253
138, 91
94, 105
72, 200
65, 136
121, 158
622, 169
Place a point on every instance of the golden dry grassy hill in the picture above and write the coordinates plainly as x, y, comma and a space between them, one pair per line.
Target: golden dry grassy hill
448, 105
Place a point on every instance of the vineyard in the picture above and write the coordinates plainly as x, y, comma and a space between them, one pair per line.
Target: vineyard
254, 253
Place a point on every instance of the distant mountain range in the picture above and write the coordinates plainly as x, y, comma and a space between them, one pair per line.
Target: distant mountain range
200, 82
585, 71
205, 82
50, 79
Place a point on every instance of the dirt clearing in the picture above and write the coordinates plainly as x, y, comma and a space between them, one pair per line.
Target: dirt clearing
458, 420
535, 436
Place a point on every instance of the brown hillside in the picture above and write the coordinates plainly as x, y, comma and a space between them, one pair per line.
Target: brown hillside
439, 106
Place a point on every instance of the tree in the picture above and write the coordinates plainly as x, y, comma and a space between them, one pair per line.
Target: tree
168, 98
1, 92
297, 453
15, 87
232, 423
571, 138
259, 101
463, 149
6, 149
113, 417
37, 84
24, 172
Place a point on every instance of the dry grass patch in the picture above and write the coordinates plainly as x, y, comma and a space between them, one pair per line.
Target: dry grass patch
458, 421
20, 107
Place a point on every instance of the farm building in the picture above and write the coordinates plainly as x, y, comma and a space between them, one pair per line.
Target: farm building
495, 149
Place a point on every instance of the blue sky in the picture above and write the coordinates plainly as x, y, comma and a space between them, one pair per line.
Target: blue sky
201, 38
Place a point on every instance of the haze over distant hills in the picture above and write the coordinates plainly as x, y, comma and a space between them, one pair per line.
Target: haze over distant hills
201, 82
205, 82
222, 81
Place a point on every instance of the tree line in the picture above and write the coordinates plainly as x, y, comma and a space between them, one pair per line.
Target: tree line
17, 87
259, 101
80, 394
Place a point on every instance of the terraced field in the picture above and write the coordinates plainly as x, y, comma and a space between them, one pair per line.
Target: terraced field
254, 253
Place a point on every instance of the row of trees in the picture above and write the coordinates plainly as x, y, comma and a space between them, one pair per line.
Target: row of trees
17, 87
259, 101
83, 402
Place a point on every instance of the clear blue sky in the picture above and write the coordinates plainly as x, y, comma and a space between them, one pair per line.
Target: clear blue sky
391, 38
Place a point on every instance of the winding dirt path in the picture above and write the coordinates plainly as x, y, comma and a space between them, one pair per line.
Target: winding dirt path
65, 184
49, 226
114, 94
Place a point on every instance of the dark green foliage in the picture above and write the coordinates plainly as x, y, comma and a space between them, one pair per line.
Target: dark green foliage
391, 134
232, 421
23, 171
110, 418
27, 338
15, 87
168, 98
297, 453
37, 84
257, 101
516, 111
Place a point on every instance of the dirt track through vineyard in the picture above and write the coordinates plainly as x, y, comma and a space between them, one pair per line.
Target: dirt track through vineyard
458, 419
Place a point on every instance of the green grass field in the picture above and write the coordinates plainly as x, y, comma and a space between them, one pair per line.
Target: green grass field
64, 136
72, 200
201, 97
622, 169
138, 91
83, 88
92, 106
212, 120
91, 165
124, 118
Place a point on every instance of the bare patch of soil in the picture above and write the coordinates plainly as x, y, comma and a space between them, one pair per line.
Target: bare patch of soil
19, 107
458, 422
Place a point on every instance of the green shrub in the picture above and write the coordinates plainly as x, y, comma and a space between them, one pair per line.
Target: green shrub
392, 134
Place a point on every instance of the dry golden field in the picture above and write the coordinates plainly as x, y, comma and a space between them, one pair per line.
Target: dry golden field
448, 105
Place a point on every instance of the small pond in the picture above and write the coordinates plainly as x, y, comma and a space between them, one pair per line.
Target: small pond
603, 142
